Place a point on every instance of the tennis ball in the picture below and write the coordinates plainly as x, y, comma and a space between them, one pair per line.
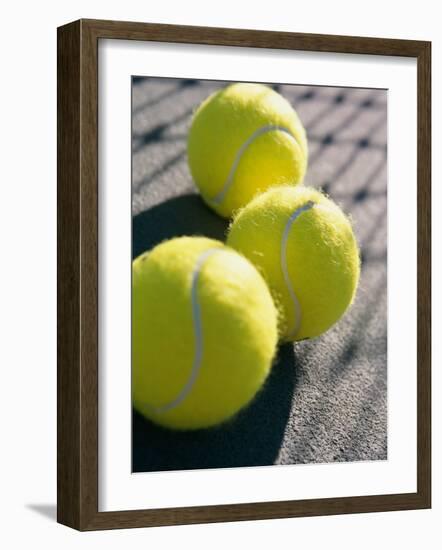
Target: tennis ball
304, 246
204, 333
244, 139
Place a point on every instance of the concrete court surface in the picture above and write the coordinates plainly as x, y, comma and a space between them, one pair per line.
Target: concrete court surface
326, 399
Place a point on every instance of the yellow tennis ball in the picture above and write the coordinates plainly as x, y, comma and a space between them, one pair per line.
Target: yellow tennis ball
244, 139
204, 333
304, 245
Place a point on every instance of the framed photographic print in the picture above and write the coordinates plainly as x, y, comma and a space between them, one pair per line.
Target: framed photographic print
243, 275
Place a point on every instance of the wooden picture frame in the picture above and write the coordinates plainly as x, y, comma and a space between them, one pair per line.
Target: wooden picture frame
77, 461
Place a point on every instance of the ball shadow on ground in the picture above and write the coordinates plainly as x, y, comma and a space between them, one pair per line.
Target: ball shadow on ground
183, 215
252, 438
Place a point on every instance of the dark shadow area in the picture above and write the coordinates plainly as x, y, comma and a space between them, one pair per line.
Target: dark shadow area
139, 79
184, 215
252, 438
49, 511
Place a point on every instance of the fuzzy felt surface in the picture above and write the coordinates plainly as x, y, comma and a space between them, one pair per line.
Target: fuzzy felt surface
221, 126
203, 323
325, 400
321, 256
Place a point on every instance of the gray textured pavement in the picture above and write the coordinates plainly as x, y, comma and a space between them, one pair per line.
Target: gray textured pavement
326, 399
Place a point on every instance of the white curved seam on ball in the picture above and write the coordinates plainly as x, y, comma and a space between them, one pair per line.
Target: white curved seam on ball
296, 305
198, 332
219, 197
